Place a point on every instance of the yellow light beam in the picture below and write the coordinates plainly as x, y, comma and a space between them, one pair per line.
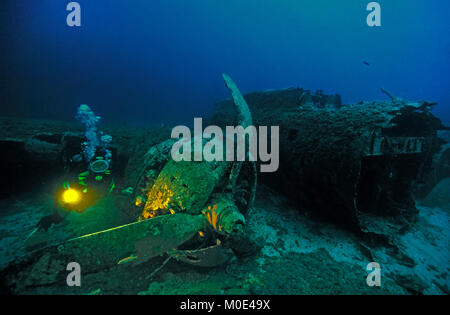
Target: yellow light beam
71, 196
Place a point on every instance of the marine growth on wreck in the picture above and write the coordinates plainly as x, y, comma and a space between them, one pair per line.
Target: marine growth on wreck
132, 164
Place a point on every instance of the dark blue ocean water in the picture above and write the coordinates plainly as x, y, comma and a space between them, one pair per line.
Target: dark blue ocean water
155, 61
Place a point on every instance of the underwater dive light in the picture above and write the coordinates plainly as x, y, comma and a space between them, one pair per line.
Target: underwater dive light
71, 196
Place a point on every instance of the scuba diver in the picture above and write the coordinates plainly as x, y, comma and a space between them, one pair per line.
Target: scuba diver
87, 178
78, 195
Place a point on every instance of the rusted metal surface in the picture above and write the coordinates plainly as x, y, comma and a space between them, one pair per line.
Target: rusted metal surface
105, 249
381, 145
347, 162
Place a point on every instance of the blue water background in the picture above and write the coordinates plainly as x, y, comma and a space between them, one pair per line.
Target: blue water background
160, 61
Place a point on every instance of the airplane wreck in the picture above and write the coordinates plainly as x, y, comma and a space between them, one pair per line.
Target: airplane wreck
360, 164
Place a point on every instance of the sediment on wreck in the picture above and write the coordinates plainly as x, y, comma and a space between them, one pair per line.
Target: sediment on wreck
357, 163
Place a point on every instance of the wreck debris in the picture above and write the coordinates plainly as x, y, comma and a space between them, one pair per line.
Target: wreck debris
211, 256
221, 191
358, 163
244, 118
307, 99
393, 98
189, 187
142, 240
381, 145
